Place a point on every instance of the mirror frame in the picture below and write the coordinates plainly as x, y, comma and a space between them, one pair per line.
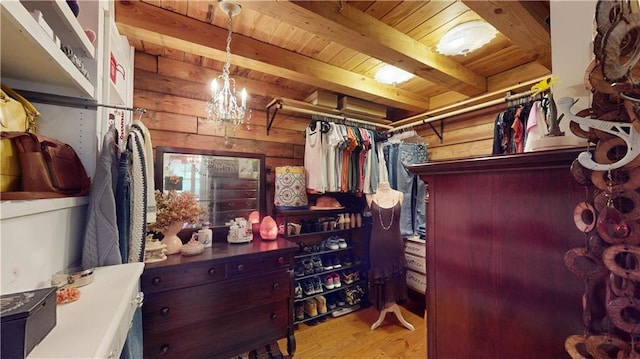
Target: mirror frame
160, 151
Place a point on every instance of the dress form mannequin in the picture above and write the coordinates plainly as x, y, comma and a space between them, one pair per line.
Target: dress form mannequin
387, 200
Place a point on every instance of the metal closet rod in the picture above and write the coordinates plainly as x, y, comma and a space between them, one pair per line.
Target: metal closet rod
466, 109
337, 117
67, 101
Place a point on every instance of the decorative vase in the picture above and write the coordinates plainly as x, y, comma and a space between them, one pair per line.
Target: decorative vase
171, 239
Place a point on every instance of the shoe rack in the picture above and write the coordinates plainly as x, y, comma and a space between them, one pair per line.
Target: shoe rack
330, 264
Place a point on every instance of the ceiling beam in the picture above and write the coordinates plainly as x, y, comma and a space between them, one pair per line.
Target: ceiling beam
522, 22
155, 25
345, 25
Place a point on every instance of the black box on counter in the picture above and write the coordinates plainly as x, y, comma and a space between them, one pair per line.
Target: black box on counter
27, 317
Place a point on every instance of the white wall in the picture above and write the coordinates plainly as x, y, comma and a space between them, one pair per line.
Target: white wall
572, 29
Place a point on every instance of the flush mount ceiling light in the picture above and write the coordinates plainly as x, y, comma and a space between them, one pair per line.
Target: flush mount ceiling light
466, 37
392, 75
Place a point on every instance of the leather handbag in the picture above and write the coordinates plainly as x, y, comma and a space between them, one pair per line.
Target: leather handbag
50, 168
16, 114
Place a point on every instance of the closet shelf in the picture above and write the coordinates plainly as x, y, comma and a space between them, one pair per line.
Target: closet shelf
12, 209
301, 107
40, 64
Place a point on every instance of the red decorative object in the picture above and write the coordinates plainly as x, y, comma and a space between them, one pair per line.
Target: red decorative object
611, 224
254, 220
268, 228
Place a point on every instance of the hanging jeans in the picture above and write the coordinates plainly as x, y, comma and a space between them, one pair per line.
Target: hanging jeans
413, 214
133, 345
123, 204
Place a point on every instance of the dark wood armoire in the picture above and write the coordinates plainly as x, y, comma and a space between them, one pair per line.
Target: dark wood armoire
498, 228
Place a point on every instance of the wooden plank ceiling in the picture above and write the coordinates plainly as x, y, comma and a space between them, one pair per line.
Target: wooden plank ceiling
281, 47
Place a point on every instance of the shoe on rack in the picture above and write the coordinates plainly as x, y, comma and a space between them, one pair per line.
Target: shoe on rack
331, 243
336, 280
347, 261
299, 271
347, 278
317, 264
328, 281
311, 307
321, 304
298, 291
342, 243
336, 262
299, 309
340, 299
317, 284
307, 266
308, 288
331, 302
327, 263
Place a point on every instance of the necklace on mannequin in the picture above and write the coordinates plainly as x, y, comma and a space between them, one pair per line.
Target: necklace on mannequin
386, 228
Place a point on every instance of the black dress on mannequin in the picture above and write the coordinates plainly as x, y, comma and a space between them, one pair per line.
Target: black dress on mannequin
388, 265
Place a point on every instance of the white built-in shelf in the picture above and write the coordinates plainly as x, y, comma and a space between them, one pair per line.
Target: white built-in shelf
12, 209
66, 27
31, 59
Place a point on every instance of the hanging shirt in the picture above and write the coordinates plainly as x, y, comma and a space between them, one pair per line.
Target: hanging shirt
334, 138
314, 161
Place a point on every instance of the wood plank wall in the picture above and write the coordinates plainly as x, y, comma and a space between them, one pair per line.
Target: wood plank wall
174, 92
464, 136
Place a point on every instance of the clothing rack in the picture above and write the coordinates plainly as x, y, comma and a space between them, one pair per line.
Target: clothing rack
306, 108
67, 101
463, 110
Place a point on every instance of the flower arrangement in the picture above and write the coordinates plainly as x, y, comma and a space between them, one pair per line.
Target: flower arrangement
173, 206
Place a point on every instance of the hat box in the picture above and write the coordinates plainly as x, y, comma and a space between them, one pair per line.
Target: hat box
26, 318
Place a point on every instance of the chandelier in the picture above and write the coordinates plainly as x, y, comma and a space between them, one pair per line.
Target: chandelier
223, 108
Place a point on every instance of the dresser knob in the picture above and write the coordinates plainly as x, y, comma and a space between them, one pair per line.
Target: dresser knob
281, 260
276, 285
164, 311
164, 349
241, 268
274, 316
212, 271
156, 281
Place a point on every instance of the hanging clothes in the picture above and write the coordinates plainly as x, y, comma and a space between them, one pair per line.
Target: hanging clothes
100, 244
512, 127
400, 150
536, 126
340, 157
138, 225
315, 162
149, 167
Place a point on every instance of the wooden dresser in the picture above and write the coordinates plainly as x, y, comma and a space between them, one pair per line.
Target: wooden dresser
231, 299
497, 230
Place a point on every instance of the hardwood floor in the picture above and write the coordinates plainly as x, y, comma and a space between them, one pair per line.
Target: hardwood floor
350, 336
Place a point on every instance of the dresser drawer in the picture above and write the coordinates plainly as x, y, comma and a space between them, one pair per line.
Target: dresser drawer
224, 336
250, 266
235, 204
167, 310
154, 280
415, 247
418, 264
234, 194
417, 281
